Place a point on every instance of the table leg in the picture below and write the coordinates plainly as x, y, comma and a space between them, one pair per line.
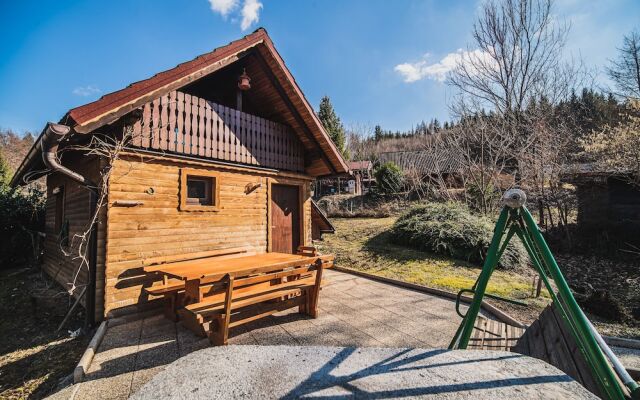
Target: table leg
192, 291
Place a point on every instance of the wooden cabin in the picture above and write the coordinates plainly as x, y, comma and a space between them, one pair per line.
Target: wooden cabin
357, 182
218, 152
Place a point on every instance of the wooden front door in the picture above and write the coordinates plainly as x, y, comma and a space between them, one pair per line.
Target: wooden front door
285, 218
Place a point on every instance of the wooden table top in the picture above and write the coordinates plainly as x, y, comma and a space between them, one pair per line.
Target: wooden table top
212, 267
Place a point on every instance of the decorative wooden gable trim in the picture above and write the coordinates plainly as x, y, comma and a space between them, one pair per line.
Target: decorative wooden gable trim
184, 124
114, 105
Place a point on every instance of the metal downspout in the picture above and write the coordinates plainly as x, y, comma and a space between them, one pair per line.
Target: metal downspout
53, 134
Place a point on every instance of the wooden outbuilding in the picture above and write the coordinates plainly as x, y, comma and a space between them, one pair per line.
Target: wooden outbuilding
606, 198
357, 182
218, 152
608, 205
442, 164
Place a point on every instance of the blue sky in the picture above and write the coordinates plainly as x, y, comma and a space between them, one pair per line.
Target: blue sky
60, 54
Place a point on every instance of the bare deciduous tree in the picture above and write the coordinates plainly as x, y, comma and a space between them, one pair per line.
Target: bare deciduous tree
615, 149
485, 150
517, 51
517, 69
625, 71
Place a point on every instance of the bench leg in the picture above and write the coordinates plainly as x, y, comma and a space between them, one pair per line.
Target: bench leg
191, 322
218, 334
315, 291
221, 335
304, 305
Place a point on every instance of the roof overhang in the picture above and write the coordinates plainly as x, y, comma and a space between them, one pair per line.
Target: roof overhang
110, 107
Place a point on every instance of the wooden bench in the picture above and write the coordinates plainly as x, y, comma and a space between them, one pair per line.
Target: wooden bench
250, 298
172, 291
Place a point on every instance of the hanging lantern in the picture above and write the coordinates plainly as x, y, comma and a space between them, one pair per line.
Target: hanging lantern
244, 82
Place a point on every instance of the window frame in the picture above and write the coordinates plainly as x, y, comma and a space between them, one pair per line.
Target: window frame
185, 173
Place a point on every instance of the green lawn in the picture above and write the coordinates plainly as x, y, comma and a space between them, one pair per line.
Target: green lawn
363, 244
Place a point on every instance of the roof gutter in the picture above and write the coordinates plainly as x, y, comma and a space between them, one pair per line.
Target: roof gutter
51, 138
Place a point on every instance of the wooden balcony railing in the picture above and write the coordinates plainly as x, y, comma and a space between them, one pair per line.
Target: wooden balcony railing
180, 123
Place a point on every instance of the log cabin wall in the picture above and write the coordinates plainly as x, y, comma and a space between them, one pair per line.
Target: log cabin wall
156, 227
59, 259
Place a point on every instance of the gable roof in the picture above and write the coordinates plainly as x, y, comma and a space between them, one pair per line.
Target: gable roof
83, 116
86, 118
441, 160
359, 165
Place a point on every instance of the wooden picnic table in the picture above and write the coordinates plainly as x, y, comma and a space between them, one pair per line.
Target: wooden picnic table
197, 272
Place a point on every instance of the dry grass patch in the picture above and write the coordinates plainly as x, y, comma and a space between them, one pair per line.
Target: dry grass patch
364, 244
34, 359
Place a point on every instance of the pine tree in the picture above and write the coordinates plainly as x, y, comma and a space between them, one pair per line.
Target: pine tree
436, 125
378, 134
333, 125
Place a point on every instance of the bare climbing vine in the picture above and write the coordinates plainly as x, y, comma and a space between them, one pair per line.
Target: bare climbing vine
107, 149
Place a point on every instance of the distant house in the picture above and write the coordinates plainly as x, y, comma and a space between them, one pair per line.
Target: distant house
429, 164
222, 153
357, 182
362, 172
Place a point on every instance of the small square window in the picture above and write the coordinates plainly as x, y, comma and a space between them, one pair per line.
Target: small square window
199, 190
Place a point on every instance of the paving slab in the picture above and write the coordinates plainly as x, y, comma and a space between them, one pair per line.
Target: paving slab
292, 372
350, 315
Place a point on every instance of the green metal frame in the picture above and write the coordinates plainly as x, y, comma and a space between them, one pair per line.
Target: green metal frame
519, 222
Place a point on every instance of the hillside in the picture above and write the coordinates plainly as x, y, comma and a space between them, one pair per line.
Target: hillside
14, 147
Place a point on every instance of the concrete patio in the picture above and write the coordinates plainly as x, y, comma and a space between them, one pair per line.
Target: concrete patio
354, 311
359, 373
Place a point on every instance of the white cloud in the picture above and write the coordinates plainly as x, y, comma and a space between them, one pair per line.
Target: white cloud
223, 7
85, 91
412, 72
250, 13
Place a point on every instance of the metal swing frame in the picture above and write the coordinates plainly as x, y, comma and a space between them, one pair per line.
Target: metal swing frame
515, 220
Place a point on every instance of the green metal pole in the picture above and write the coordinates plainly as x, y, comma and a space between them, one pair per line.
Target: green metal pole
539, 266
489, 264
533, 253
505, 242
528, 246
603, 370
526, 240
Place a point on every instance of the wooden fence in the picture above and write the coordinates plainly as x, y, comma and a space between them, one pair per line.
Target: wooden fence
184, 124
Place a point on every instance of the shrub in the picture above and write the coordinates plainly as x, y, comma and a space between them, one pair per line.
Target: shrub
389, 178
451, 229
21, 217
